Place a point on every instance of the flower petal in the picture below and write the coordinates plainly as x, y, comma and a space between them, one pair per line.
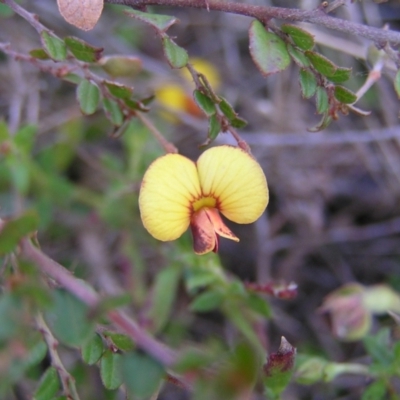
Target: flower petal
204, 237
219, 227
236, 180
169, 187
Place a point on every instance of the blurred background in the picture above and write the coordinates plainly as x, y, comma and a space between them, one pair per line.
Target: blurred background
334, 212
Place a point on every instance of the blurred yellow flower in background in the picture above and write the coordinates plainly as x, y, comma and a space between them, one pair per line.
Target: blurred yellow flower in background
177, 193
178, 97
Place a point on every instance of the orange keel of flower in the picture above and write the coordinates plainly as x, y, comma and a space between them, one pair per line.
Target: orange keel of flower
206, 224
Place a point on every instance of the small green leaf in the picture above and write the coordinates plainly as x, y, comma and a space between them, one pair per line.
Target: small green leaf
325, 121
308, 83
267, 50
40, 54
227, 109
259, 305
136, 105
82, 50
54, 46
10, 311
68, 319
375, 391
321, 100
160, 22
110, 370
207, 301
341, 75
72, 78
142, 374
123, 342
92, 350
20, 172
14, 230
113, 111
397, 83
238, 122
298, 57
243, 324
163, 298
177, 56
345, 95
205, 103
199, 278
116, 66
88, 95
322, 64
25, 138
119, 90
300, 37
48, 386
214, 127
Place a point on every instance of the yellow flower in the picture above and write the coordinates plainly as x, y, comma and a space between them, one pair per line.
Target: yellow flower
177, 193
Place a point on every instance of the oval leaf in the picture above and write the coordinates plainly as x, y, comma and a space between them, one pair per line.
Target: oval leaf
49, 385
207, 301
298, 57
308, 83
267, 50
322, 64
113, 112
40, 54
110, 370
123, 342
83, 14
117, 66
164, 293
341, 75
142, 374
88, 95
345, 95
160, 22
177, 56
119, 90
205, 103
83, 51
325, 121
214, 127
321, 100
300, 37
68, 319
54, 46
92, 350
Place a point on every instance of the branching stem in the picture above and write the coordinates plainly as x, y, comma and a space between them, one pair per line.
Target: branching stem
85, 293
317, 17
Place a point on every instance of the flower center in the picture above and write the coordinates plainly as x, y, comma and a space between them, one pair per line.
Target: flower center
204, 202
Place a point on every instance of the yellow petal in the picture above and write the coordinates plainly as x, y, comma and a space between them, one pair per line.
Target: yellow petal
169, 187
236, 180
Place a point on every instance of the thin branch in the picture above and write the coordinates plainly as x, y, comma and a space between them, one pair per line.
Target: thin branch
168, 147
26, 15
264, 13
85, 293
269, 139
67, 380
